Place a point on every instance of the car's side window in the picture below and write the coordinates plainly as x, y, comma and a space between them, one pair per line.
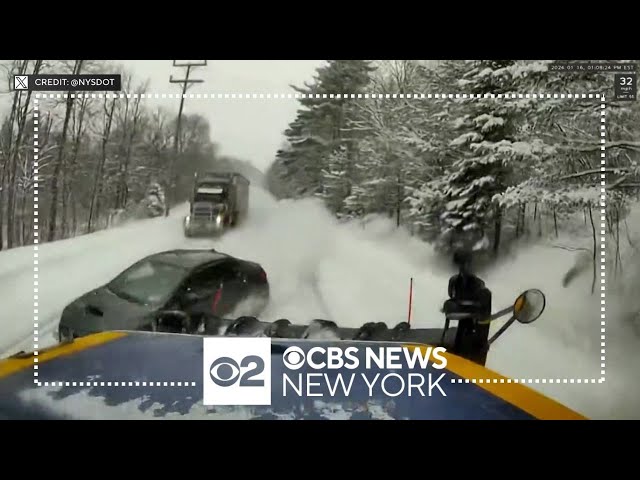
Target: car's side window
231, 271
227, 271
205, 282
248, 272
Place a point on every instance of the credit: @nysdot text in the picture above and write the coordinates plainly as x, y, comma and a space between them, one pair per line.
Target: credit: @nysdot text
78, 83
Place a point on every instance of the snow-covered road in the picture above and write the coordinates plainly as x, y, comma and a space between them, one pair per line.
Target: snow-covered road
321, 269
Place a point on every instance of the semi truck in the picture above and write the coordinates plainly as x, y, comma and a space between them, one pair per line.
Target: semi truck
219, 200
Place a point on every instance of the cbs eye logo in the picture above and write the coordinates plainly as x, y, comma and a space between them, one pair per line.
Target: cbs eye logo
293, 358
226, 372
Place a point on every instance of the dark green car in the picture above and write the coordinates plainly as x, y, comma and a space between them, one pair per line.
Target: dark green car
169, 291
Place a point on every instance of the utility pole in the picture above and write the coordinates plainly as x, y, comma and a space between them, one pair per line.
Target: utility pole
186, 82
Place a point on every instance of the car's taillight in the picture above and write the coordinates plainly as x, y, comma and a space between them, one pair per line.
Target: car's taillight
263, 275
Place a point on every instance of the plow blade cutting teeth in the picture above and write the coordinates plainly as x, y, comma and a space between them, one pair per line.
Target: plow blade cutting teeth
319, 329
278, 328
245, 326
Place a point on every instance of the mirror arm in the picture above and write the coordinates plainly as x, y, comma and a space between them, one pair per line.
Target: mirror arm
502, 330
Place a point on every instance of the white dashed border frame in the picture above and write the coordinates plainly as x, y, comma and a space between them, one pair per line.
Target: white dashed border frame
252, 96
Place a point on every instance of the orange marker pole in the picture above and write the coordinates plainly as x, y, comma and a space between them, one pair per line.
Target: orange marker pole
410, 300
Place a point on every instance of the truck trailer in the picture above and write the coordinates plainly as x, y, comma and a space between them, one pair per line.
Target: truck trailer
219, 200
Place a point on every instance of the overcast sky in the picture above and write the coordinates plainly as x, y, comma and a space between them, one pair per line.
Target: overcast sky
247, 129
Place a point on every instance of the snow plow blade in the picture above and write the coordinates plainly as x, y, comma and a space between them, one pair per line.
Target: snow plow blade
151, 375
319, 329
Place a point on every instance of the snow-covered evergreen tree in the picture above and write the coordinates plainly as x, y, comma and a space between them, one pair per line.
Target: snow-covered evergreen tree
336, 184
396, 154
484, 150
320, 127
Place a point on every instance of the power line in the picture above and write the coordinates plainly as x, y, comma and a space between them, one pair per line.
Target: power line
186, 83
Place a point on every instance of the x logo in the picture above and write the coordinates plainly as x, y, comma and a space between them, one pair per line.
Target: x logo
21, 82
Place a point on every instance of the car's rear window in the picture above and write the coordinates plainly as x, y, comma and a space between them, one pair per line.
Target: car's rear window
148, 282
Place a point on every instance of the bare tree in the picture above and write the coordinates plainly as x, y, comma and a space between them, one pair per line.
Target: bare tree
69, 176
130, 130
19, 114
58, 167
94, 209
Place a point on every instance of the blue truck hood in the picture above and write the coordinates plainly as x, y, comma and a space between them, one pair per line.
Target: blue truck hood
138, 375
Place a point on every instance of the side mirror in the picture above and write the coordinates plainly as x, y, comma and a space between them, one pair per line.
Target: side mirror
526, 309
529, 306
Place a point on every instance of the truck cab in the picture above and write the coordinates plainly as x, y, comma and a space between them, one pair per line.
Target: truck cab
218, 201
